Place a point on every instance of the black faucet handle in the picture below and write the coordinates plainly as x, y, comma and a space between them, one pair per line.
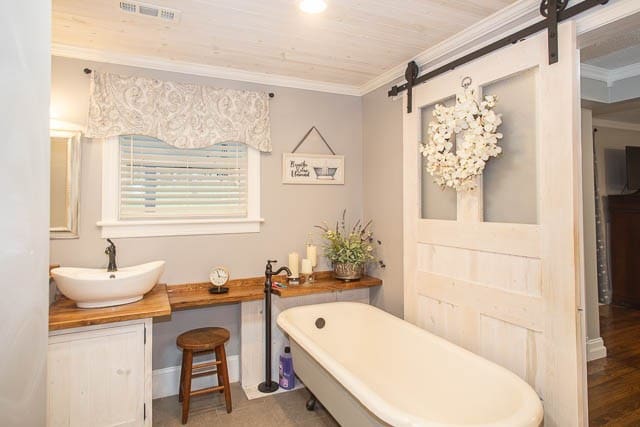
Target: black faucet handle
268, 269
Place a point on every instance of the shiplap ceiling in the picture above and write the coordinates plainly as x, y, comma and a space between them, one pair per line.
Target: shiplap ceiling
352, 42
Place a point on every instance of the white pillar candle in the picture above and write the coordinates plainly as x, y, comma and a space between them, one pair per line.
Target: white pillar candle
312, 255
294, 263
306, 266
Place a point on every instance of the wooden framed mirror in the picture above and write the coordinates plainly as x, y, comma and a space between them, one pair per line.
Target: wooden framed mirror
65, 180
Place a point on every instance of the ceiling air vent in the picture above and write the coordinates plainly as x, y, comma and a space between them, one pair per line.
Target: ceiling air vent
163, 13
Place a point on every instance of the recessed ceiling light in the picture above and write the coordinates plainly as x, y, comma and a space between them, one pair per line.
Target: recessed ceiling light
313, 6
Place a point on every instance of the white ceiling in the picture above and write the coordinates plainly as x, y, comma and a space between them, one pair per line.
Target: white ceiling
613, 46
627, 116
617, 51
351, 43
622, 112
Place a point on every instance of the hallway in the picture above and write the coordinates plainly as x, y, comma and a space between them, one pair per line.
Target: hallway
614, 382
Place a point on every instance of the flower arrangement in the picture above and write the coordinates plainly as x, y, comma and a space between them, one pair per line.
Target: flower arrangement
479, 143
356, 246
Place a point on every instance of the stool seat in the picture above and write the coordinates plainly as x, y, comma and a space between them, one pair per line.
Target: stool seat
202, 339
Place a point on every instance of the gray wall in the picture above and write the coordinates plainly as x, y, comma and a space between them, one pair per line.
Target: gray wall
290, 211
610, 144
594, 90
24, 214
606, 139
625, 89
382, 201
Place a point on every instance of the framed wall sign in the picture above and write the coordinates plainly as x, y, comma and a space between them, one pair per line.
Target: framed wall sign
299, 168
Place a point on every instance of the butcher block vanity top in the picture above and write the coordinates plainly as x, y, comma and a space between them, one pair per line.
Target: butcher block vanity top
64, 314
324, 283
193, 295
197, 294
162, 299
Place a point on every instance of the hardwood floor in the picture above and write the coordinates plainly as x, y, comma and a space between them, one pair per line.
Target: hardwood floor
614, 382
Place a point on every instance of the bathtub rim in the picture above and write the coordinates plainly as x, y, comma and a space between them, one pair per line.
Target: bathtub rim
531, 412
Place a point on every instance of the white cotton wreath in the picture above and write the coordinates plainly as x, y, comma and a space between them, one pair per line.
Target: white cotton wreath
479, 142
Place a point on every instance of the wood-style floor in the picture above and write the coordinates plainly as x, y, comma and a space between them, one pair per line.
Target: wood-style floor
614, 382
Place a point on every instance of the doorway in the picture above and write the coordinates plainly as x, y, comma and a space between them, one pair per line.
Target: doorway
610, 95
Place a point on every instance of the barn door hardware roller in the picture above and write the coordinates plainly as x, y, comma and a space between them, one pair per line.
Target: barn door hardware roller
554, 11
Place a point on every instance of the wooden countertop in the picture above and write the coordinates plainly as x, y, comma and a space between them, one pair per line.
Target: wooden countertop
162, 299
325, 282
64, 314
193, 295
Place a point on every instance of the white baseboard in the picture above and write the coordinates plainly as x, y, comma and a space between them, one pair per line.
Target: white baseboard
596, 349
254, 393
166, 380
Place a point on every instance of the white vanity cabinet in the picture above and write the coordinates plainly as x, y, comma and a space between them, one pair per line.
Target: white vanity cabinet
100, 375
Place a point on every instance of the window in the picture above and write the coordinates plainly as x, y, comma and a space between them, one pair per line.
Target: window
153, 189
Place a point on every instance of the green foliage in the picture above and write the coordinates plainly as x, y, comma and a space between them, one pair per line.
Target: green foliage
356, 246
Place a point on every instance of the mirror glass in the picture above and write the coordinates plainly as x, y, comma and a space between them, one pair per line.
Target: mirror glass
65, 183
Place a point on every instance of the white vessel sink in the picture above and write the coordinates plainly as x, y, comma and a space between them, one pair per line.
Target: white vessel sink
95, 287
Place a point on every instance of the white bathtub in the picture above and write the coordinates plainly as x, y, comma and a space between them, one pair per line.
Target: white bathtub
368, 367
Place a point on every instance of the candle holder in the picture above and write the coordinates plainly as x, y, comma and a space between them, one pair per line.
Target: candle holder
307, 279
293, 281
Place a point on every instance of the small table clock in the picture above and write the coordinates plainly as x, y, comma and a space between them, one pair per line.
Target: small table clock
218, 276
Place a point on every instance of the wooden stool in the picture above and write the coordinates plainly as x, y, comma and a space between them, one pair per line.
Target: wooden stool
199, 341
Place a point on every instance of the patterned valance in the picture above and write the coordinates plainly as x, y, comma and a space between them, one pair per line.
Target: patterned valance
180, 114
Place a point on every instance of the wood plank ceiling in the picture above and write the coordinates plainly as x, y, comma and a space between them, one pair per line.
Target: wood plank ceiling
352, 42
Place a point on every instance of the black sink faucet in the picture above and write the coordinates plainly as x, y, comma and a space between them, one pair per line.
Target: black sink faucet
268, 272
269, 386
111, 251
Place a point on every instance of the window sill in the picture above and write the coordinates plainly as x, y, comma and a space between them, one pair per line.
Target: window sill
179, 227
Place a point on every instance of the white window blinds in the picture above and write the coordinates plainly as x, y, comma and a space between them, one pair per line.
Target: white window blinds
161, 181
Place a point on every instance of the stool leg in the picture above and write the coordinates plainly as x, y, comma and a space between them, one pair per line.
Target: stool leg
182, 369
219, 371
187, 360
222, 357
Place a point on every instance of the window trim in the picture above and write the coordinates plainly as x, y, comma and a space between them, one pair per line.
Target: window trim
113, 226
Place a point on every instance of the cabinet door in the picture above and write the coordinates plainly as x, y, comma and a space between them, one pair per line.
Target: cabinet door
96, 378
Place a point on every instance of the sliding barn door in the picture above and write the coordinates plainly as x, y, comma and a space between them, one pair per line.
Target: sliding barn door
496, 270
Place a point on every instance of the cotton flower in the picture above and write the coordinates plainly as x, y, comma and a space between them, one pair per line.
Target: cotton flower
477, 124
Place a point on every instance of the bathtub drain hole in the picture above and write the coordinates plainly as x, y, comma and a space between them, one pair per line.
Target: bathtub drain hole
320, 323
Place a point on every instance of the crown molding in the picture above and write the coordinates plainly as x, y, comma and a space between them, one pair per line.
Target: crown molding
509, 19
632, 70
601, 16
512, 18
95, 55
609, 76
615, 124
596, 73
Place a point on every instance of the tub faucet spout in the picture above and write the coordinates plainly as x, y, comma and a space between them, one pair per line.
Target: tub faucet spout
281, 269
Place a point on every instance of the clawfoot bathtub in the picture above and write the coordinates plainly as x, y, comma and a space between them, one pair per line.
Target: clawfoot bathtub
368, 367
